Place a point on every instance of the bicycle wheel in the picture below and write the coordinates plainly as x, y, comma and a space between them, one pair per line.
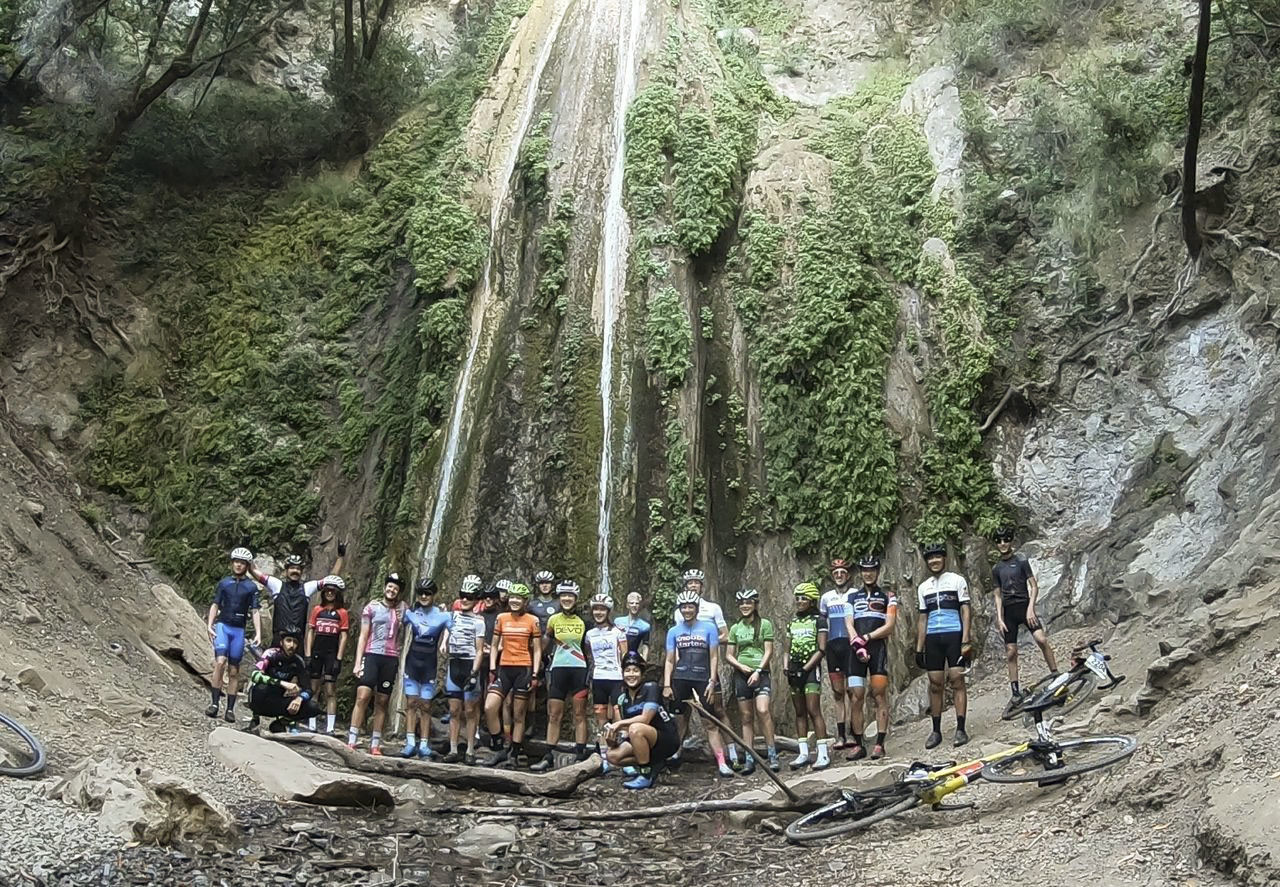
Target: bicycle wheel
29, 751
840, 818
1075, 756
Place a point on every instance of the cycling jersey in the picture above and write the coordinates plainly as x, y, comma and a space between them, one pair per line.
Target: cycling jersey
941, 597
291, 598
603, 644
235, 598
871, 606
750, 641
834, 604
566, 631
544, 608
425, 625
275, 666
516, 634
648, 697
1010, 575
637, 630
802, 633
384, 628
329, 623
708, 611
692, 643
464, 628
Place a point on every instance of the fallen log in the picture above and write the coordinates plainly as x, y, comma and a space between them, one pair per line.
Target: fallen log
559, 783
777, 805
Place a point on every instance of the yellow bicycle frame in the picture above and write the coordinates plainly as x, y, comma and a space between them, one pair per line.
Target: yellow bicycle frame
957, 776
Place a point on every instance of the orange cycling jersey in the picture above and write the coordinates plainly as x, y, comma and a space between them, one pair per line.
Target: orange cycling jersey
517, 632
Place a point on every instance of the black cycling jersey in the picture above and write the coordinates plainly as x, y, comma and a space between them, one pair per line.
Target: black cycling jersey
290, 611
544, 609
1010, 575
870, 606
275, 666
648, 696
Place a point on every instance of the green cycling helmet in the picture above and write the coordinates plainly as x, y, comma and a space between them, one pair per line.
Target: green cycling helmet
518, 589
808, 591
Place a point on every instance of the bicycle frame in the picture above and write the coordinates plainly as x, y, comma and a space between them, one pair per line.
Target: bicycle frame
955, 777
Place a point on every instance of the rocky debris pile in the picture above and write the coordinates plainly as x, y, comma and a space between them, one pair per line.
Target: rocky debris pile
287, 775
39, 837
144, 805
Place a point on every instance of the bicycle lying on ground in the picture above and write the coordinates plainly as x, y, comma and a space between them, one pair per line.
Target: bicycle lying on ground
1088, 673
1042, 760
34, 762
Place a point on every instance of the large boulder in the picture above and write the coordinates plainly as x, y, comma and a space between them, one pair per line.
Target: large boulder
149, 806
168, 625
289, 776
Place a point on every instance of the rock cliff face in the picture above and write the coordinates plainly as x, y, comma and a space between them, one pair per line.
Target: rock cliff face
744, 285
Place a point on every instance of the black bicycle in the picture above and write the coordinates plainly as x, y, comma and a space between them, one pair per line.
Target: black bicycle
1089, 672
29, 754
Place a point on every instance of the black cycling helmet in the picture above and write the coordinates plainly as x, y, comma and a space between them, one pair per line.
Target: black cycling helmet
425, 586
633, 658
869, 562
1004, 534
932, 549
293, 560
291, 633
394, 579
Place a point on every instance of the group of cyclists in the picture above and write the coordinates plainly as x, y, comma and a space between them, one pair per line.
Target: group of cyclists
497, 651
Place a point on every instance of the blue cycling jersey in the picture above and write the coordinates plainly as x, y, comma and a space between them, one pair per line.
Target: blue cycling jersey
637, 631
235, 598
692, 644
426, 626
834, 604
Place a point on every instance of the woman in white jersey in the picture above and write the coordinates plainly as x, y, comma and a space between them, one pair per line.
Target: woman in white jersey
606, 644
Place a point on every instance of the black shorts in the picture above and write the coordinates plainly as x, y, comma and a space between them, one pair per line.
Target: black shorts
683, 691
270, 702
877, 664
743, 690
605, 692
837, 656
666, 747
806, 681
512, 679
326, 666
1015, 616
567, 682
379, 673
942, 651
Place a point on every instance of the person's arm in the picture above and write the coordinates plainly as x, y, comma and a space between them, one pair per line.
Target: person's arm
340, 561
213, 617
479, 660
722, 627
714, 653
849, 630
260, 577
998, 597
768, 657
1033, 592
537, 654
358, 670
962, 594
495, 646
257, 622
621, 643
344, 631
669, 665
890, 620
730, 656
822, 648
311, 635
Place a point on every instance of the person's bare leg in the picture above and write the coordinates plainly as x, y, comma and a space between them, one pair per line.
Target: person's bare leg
518, 710
555, 715
493, 714
473, 723
358, 713
858, 713
1011, 662
937, 687
840, 692
456, 719
642, 738
748, 725
880, 697
579, 720
764, 719
959, 695
813, 701
1046, 648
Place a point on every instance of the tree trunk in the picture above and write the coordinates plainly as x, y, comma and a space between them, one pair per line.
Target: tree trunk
384, 13
1195, 115
557, 784
348, 38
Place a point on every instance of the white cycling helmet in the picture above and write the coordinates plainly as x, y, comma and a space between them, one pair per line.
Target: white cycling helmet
503, 585
471, 582
543, 576
602, 600
568, 586
242, 554
688, 597
693, 575
334, 581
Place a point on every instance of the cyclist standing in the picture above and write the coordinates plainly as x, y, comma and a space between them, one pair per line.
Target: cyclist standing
233, 600
1016, 590
806, 645
644, 733
749, 654
515, 657
606, 644
693, 661
637, 628
466, 646
708, 611
568, 674
942, 639
292, 595
377, 660
873, 613
544, 602
327, 631
834, 606
426, 630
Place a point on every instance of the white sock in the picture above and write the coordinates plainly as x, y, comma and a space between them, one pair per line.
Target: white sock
804, 748
410, 739
330, 719
375, 739
733, 753
352, 735
311, 724
822, 750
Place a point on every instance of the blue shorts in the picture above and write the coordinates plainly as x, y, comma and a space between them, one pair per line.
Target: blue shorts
228, 642
425, 690
457, 677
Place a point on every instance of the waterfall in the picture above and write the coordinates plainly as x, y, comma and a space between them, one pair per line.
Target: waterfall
614, 247
501, 194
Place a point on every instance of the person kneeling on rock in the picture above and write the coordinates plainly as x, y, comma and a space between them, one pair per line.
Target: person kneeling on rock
277, 678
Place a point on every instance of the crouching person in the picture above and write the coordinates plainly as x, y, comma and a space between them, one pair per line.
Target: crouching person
278, 679
644, 734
